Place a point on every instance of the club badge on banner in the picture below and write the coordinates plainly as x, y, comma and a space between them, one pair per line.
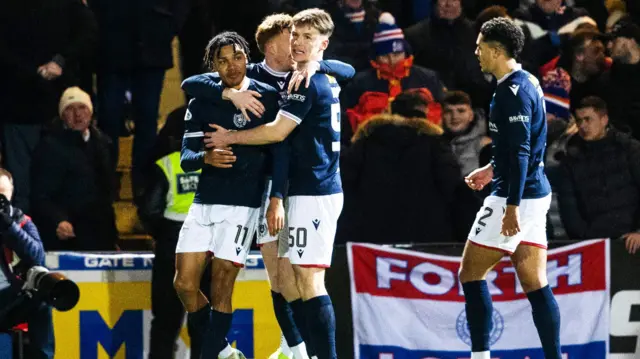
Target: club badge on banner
113, 317
410, 305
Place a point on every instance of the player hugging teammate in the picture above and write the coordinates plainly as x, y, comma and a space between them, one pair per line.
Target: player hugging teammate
299, 147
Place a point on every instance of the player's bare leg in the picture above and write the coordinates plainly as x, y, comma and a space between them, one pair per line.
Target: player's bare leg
476, 263
189, 269
531, 267
318, 309
223, 278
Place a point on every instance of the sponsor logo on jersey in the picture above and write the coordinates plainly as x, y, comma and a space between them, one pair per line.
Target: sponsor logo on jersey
316, 223
239, 120
514, 89
188, 115
297, 97
519, 118
281, 84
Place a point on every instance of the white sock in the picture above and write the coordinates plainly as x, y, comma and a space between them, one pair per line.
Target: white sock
284, 347
314, 357
481, 355
300, 351
226, 352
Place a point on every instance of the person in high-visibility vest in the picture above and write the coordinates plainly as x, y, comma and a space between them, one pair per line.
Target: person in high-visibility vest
169, 192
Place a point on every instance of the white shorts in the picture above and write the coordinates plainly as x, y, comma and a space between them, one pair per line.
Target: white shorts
225, 231
533, 224
263, 230
309, 235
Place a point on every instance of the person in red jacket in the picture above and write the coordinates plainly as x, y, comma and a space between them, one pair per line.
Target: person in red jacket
392, 71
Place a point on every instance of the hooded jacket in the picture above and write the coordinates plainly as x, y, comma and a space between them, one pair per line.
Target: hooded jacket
399, 177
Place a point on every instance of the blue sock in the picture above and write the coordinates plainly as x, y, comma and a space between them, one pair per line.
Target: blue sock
216, 334
197, 323
479, 311
321, 321
284, 315
546, 316
301, 322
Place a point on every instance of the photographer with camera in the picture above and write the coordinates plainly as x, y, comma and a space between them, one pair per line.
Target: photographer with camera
19, 239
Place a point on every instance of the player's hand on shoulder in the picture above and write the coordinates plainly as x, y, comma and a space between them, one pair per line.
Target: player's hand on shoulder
479, 178
245, 101
510, 221
632, 242
275, 216
220, 157
304, 73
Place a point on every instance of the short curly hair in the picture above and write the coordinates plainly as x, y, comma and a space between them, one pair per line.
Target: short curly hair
505, 33
221, 40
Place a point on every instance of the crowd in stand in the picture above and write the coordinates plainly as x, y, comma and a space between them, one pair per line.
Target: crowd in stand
413, 117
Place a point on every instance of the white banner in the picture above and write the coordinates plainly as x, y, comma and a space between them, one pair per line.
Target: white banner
410, 305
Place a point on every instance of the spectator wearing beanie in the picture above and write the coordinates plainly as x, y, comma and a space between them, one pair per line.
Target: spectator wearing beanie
392, 71
73, 174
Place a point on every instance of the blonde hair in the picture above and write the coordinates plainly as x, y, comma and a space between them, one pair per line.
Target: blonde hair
316, 18
272, 26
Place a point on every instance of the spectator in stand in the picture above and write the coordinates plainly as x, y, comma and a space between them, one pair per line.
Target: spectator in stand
624, 101
550, 23
355, 22
42, 46
134, 53
446, 43
587, 65
465, 128
407, 12
393, 71
402, 164
599, 195
72, 185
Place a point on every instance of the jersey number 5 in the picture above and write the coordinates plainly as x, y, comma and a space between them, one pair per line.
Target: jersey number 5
335, 124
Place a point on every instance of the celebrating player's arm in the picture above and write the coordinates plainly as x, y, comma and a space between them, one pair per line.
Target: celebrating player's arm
208, 86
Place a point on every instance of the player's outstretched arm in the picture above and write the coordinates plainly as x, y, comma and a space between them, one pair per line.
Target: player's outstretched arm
338, 69
191, 156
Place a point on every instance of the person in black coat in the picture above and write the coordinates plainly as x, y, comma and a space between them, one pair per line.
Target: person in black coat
399, 179
134, 53
599, 194
43, 45
72, 187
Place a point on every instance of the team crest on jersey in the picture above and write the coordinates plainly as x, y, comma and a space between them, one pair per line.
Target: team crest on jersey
239, 120
462, 327
262, 229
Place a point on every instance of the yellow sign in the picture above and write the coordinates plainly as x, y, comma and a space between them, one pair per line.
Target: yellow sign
113, 317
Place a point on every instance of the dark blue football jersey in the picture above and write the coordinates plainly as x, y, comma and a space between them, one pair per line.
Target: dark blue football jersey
315, 142
243, 184
518, 129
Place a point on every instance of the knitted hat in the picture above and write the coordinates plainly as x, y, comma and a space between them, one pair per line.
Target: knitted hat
74, 95
388, 37
556, 85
